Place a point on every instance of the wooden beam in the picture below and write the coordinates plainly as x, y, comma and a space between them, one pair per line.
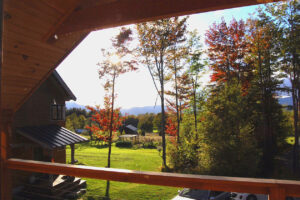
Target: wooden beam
49, 73
50, 36
218, 183
5, 134
125, 12
277, 193
2, 152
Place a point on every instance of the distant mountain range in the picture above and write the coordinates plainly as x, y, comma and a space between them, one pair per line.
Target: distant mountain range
73, 104
142, 110
129, 111
285, 100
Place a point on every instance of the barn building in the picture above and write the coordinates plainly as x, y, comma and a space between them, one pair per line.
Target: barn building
38, 134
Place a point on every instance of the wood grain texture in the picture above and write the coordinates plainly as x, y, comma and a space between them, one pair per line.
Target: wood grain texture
28, 60
125, 12
277, 188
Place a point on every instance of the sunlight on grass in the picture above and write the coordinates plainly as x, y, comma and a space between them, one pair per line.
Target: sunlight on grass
125, 158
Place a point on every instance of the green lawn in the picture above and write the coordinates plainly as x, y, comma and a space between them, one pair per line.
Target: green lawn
134, 159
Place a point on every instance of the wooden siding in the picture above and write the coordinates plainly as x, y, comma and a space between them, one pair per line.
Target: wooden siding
36, 111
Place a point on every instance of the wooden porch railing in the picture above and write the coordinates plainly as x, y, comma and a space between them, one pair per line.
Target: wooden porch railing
276, 189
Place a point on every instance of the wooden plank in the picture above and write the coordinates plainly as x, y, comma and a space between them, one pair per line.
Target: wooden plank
51, 69
10, 100
25, 71
277, 193
50, 36
68, 41
32, 51
19, 80
29, 56
21, 30
34, 12
246, 185
36, 9
20, 17
125, 12
33, 42
60, 6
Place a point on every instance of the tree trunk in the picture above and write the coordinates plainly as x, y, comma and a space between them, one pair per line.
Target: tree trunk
163, 122
195, 105
110, 132
176, 99
296, 127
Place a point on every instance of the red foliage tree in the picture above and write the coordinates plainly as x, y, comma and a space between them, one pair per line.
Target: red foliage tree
227, 48
116, 62
102, 120
171, 127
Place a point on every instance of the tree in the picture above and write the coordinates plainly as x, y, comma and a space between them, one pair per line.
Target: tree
103, 126
177, 53
227, 47
157, 122
131, 119
146, 122
115, 63
287, 19
263, 57
156, 40
195, 66
228, 145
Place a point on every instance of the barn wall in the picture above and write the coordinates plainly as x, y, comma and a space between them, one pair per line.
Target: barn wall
37, 110
60, 155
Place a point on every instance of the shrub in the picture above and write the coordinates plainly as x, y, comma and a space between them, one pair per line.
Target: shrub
149, 145
124, 144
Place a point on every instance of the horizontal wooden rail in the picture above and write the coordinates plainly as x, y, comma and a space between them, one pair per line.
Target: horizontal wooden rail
219, 183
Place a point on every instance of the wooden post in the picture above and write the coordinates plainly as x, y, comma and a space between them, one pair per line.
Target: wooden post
72, 153
277, 193
3, 147
5, 173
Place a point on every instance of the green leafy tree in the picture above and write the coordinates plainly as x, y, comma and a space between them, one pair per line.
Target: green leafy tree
195, 67
287, 19
263, 57
146, 122
228, 145
157, 122
156, 40
175, 62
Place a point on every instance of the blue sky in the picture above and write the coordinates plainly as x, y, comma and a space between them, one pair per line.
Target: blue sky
135, 89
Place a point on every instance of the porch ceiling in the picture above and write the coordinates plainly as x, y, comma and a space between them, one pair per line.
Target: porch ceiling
39, 34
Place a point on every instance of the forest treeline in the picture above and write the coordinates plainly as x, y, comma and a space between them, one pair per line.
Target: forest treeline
77, 119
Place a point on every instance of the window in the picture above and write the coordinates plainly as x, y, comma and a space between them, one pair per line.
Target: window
58, 112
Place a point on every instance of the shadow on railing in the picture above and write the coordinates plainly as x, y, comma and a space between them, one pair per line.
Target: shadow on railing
276, 189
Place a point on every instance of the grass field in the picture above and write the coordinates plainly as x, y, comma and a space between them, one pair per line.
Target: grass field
134, 159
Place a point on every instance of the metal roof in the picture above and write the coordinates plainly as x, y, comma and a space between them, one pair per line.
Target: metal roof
51, 136
131, 127
67, 90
